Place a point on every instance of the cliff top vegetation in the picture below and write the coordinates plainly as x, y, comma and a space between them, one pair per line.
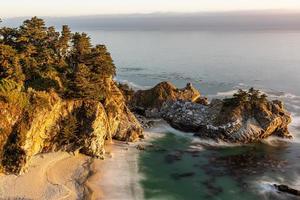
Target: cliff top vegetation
36, 57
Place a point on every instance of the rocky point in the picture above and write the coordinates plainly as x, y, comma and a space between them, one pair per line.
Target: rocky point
246, 117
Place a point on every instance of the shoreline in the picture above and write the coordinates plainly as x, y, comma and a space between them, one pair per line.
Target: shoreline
66, 176
118, 176
61, 175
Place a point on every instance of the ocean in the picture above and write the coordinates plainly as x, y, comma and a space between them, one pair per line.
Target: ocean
217, 63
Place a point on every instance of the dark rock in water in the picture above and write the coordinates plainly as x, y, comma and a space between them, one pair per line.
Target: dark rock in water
159, 149
178, 176
150, 147
146, 122
287, 189
213, 188
174, 156
141, 147
236, 121
192, 152
156, 148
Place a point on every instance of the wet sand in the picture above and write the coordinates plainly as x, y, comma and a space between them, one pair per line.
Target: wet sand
117, 176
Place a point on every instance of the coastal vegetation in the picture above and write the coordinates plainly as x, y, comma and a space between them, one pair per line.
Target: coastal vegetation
243, 97
39, 57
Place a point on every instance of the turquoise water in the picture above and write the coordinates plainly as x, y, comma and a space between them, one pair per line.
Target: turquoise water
217, 171
217, 63
160, 183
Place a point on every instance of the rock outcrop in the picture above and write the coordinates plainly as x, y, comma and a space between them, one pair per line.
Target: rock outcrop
149, 102
51, 123
242, 123
246, 117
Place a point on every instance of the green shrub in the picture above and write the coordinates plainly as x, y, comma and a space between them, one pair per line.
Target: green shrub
243, 97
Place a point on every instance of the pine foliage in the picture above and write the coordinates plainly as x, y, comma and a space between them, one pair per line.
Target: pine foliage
41, 58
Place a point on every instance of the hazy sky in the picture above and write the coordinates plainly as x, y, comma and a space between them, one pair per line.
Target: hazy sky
13, 8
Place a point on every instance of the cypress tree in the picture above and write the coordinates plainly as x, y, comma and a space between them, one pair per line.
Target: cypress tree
64, 41
42, 58
102, 62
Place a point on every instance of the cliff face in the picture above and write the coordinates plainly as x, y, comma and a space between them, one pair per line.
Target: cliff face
52, 124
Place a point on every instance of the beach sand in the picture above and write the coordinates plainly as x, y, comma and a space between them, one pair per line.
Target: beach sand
49, 176
117, 176
64, 176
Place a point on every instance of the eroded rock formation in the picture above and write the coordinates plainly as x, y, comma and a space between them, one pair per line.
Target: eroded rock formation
246, 117
237, 123
51, 123
149, 102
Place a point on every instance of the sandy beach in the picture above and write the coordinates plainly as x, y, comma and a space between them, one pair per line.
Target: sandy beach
65, 176
49, 176
60, 175
117, 176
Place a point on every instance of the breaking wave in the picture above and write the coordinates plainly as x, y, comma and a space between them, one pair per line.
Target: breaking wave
133, 85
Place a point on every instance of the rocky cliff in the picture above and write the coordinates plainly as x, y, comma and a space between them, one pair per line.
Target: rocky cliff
57, 94
50, 123
236, 123
246, 117
149, 102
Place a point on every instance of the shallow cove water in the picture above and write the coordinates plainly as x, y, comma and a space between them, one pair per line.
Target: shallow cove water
217, 63
207, 170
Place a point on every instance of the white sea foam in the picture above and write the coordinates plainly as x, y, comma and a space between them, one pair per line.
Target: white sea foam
214, 143
266, 190
282, 95
277, 141
295, 120
133, 85
269, 92
295, 127
265, 187
118, 176
226, 93
196, 142
241, 84
290, 96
